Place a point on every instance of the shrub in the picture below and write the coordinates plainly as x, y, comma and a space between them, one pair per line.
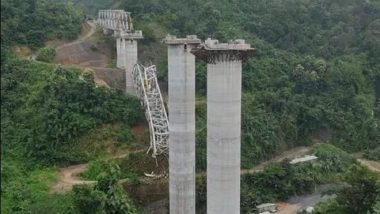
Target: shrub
49, 108
331, 159
137, 163
88, 200
373, 154
278, 181
361, 195
95, 168
106, 196
124, 135
111, 63
46, 54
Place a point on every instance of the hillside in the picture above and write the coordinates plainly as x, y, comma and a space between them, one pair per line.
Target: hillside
314, 83
315, 75
53, 115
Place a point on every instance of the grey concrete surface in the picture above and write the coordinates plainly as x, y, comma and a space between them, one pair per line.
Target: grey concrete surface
181, 68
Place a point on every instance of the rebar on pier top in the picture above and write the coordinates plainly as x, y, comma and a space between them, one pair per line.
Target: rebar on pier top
211, 50
189, 39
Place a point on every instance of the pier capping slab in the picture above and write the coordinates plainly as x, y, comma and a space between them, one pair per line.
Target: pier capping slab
211, 51
189, 39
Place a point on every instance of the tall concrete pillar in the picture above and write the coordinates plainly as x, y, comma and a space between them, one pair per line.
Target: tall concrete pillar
181, 69
224, 68
130, 61
127, 55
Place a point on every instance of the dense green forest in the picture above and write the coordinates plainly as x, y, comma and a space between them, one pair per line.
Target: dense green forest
33, 22
316, 73
53, 115
315, 78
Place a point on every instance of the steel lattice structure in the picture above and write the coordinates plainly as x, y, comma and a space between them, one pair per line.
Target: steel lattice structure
148, 91
115, 20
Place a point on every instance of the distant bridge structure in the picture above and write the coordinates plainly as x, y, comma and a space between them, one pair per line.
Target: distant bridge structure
119, 23
140, 81
115, 20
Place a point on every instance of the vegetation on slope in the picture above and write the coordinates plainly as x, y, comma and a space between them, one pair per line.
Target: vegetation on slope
49, 113
279, 181
360, 195
133, 166
33, 22
46, 54
45, 108
373, 154
107, 196
316, 75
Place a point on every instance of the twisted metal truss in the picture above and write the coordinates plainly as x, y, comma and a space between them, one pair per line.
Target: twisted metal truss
148, 91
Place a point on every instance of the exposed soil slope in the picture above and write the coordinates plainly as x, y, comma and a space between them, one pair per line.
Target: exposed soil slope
372, 165
68, 177
82, 51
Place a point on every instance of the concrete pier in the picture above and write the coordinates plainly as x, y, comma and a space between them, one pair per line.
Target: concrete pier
181, 68
130, 61
127, 55
224, 70
120, 23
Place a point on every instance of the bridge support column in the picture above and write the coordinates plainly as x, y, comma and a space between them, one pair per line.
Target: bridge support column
181, 68
130, 60
126, 58
126, 45
224, 72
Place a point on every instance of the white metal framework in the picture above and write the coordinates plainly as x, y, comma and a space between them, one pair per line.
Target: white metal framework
115, 20
148, 90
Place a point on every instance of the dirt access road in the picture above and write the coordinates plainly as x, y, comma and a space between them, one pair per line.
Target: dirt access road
70, 176
85, 51
372, 165
288, 154
88, 32
92, 55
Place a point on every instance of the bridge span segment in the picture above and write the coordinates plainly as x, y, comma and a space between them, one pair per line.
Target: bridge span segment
119, 23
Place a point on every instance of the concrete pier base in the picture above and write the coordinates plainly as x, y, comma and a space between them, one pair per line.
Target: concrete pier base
181, 68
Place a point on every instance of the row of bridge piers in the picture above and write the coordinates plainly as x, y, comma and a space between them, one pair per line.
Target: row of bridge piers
224, 76
126, 54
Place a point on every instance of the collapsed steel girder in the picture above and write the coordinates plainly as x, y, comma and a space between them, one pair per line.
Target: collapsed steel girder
148, 91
